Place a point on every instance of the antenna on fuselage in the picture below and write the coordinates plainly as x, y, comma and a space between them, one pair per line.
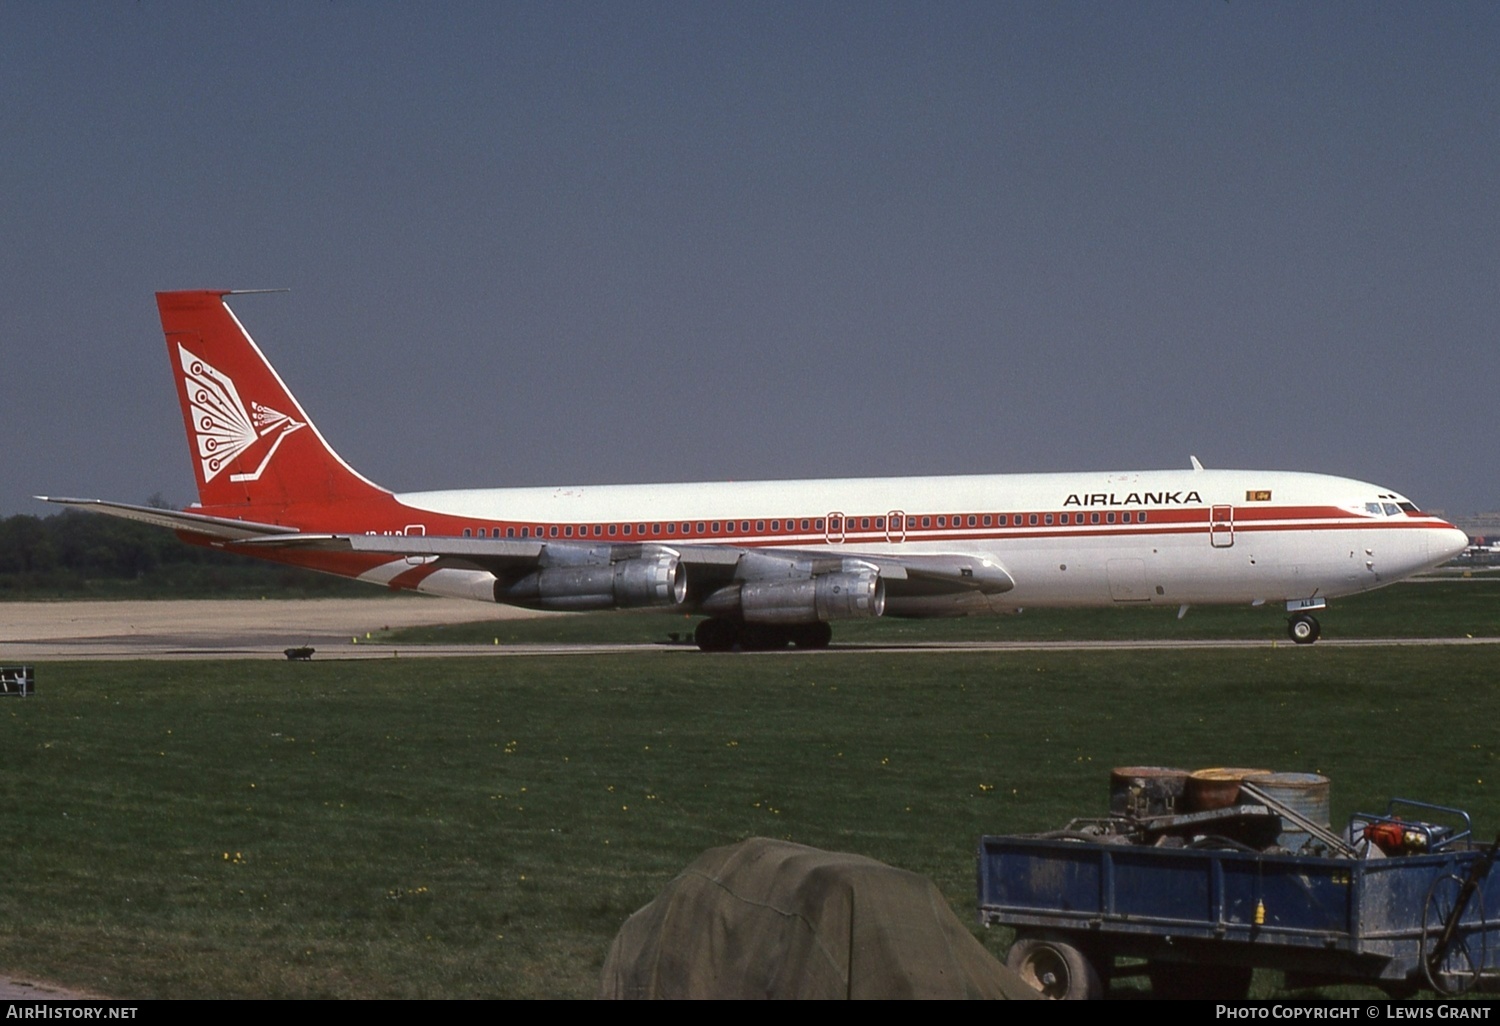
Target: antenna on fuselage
1196, 464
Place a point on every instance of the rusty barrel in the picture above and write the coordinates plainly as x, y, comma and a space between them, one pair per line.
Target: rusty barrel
1216, 788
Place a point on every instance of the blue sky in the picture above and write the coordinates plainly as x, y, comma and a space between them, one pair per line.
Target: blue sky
584, 243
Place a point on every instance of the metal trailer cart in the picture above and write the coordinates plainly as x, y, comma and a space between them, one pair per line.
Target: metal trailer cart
1088, 903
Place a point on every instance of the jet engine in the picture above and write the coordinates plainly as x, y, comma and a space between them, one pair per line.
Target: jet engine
654, 580
845, 595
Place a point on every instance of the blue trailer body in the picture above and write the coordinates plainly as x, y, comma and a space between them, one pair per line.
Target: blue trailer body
1370, 920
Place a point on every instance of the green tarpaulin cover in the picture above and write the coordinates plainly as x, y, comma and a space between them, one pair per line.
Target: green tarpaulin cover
772, 919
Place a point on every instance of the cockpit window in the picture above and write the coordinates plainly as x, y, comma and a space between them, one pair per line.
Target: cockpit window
1392, 510
1409, 507
1372, 507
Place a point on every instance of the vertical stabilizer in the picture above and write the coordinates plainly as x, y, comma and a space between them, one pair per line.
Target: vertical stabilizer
251, 443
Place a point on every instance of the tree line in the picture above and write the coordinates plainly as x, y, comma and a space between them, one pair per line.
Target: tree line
74, 554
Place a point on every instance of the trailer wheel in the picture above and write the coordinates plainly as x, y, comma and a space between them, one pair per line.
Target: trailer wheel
1199, 982
1452, 969
1055, 969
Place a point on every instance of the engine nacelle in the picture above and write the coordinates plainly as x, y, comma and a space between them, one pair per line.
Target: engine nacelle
837, 596
658, 580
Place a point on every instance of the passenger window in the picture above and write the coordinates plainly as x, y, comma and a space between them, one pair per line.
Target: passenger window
510, 532
986, 520
701, 525
1141, 517
1047, 519
864, 523
804, 525
1064, 518
656, 529
1031, 520
880, 523
525, 532
760, 526
972, 521
744, 527
1109, 518
1002, 520
467, 532
818, 524
612, 530
1093, 518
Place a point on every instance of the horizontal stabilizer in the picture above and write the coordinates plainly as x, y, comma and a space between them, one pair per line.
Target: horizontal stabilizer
221, 528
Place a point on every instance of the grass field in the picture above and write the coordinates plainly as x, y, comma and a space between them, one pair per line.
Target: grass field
1419, 609
481, 828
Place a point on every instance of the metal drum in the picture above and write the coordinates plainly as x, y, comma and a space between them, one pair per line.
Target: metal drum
1303, 793
1217, 788
1143, 791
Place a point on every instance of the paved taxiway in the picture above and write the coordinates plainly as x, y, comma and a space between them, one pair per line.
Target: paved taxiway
216, 628
250, 629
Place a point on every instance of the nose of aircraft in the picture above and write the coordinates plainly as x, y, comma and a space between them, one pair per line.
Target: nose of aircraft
1444, 544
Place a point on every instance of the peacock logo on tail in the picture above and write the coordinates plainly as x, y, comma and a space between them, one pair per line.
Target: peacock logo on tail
225, 429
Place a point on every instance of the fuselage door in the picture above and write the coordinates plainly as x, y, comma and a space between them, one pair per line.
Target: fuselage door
834, 533
1221, 526
895, 526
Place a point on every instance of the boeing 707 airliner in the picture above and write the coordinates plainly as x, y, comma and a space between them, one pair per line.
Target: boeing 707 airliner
769, 563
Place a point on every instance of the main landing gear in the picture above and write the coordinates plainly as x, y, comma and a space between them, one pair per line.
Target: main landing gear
1303, 628
723, 635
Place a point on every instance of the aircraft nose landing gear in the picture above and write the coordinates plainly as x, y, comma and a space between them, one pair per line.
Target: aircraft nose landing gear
1303, 628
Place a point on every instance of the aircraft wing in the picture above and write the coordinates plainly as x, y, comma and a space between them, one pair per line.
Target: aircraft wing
706, 566
579, 574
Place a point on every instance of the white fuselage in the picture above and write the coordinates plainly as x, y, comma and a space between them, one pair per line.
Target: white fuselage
1078, 539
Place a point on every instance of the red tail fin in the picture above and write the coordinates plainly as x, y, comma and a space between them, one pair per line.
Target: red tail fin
252, 445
